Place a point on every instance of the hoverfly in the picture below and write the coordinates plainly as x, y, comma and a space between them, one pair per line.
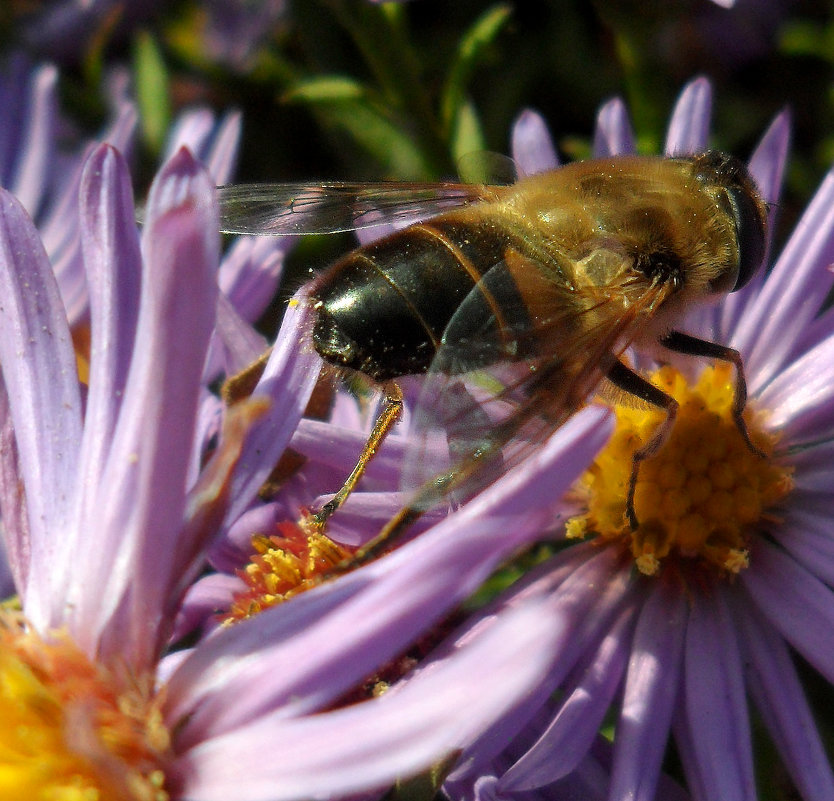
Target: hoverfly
540, 285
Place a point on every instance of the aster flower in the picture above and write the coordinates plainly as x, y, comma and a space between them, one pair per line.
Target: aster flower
234, 30
700, 607
106, 518
41, 163
63, 29
691, 614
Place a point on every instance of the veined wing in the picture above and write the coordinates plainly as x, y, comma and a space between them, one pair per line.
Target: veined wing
499, 387
334, 207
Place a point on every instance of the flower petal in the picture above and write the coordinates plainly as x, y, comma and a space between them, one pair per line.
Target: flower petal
777, 692
767, 166
689, 126
715, 710
532, 147
369, 745
613, 135
36, 149
15, 528
212, 142
131, 541
202, 601
569, 737
60, 224
39, 371
287, 382
774, 322
586, 589
799, 605
113, 263
221, 159
241, 344
250, 272
806, 535
798, 398
651, 689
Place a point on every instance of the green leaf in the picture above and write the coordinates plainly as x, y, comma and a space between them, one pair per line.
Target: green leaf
469, 53
425, 786
380, 136
152, 90
801, 38
325, 89
467, 137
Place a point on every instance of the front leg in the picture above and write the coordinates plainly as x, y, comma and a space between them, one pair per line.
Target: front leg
634, 384
692, 346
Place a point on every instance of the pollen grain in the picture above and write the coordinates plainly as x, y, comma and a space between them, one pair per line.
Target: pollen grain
72, 730
699, 498
284, 564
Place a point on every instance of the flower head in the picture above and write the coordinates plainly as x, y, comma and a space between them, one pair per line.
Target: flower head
679, 621
110, 499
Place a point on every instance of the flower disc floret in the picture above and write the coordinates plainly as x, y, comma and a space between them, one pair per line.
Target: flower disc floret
71, 730
701, 494
282, 565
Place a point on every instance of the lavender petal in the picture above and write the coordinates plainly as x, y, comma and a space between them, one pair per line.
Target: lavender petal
650, 690
795, 289
532, 147
613, 135
777, 692
715, 708
796, 603
40, 374
368, 745
689, 126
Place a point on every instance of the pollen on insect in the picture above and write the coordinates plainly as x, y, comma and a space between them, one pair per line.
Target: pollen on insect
701, 497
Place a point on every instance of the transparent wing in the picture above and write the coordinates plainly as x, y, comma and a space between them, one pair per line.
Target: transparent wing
507, 376
329, 208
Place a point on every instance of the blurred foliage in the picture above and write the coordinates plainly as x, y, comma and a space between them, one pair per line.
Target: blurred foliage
353, 89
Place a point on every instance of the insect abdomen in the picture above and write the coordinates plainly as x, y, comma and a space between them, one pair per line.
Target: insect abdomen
383, 309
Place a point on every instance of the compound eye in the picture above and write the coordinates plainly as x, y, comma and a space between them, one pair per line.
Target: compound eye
741, 199
749, 215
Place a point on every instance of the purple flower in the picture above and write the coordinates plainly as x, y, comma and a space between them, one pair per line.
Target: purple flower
679, 629
109, 502
63, 29
234, 30
41, 164
679, 644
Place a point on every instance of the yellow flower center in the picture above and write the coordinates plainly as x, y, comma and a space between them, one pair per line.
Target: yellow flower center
700, 496
69, 731
283, 565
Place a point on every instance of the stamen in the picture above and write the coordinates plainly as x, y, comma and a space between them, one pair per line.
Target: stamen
284, 565
70, 729
700, 497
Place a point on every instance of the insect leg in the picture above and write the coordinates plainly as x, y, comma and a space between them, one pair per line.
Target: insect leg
692, 346
384, 423
430, 494
633, 383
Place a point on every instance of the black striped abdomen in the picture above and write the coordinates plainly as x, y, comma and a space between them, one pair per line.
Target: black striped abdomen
383, 309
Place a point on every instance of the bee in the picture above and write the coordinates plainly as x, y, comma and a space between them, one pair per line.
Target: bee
538, 286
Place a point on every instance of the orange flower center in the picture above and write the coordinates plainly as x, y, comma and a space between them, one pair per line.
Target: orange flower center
69, 730
283, 565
